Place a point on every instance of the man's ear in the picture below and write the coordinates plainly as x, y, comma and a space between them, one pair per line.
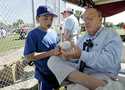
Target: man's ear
100, 17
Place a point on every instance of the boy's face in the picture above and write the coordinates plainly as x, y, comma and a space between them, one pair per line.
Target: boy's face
45, 21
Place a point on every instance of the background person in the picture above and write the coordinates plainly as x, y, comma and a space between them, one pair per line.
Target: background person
3, 33
70, 25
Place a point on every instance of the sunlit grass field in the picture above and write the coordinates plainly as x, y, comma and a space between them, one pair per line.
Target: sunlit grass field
11, 42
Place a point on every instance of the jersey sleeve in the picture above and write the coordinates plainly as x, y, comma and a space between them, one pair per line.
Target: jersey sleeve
30, 44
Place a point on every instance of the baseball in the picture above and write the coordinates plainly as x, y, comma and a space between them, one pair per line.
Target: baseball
66, 45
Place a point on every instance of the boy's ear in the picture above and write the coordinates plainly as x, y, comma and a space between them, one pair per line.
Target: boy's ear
37, 18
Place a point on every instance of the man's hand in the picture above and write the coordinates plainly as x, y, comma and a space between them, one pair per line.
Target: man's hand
72, 53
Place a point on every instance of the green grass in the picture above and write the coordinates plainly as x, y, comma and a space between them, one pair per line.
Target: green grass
10, 42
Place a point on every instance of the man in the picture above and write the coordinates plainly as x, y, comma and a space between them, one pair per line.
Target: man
3, 32
99, 54
70, 26
40, 45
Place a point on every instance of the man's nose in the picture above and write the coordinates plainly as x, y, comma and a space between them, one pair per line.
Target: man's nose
86, 22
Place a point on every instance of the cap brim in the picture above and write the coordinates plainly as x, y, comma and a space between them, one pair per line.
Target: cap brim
52, 14
48, 13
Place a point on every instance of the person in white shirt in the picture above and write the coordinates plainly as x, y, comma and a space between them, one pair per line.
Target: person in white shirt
70, 26
3, 32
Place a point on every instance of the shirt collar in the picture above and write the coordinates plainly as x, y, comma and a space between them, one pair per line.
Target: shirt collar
97, 33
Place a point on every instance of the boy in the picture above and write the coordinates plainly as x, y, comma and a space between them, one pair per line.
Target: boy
40, 45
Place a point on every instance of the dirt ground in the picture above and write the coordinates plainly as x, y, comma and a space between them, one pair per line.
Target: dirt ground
11, 56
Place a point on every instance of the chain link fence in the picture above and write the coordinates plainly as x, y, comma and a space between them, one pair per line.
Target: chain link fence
16, 20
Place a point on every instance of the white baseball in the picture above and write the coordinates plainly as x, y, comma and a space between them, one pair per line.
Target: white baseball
66, 45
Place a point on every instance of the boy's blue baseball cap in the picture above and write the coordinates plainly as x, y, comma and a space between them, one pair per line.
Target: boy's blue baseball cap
45, 10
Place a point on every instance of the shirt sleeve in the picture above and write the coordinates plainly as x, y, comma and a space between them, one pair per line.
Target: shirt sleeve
30, 44
106, 59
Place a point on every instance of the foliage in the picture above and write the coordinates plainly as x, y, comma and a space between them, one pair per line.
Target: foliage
17, 25
78, 14
2, 24
108, 24
14, 27
120, 24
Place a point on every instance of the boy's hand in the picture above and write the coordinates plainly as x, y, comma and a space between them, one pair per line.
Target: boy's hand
55, 52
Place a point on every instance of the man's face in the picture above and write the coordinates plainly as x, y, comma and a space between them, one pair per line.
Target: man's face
65, 14
92, 20
45, 21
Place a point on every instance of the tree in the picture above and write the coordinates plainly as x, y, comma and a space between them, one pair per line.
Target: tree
3, 24
78, 14
17, 25
109, 24
20, 22
120, 24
